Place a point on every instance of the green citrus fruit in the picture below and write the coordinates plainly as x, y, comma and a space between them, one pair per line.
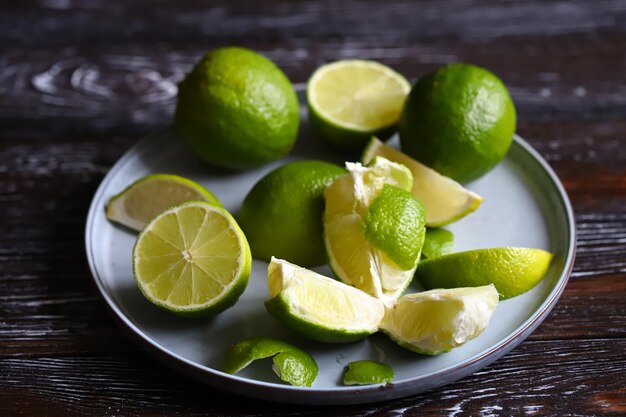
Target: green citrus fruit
192, 260
318, 307
435, 321
236, 109
367, 372
459, 120
351, 100
141, 201
512, 270
282, 214
291, 364
437, 242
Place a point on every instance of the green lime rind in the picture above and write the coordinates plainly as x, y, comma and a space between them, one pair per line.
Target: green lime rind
366, 372
513, 271
395, 225
437, 242
280, 308
291, 364
228, 297
292, 193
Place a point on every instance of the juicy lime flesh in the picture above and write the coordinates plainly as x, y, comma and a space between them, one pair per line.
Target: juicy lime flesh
458, 120
188, 257
366, 372
358, 95
291, 364
444, 200
512, 270
436, 321
438, 242
291, 195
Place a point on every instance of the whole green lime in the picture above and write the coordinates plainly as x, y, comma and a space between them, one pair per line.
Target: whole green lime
458, 120
236, 109
282, 215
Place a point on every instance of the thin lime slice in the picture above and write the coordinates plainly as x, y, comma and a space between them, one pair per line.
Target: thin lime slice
352, 99
141, 201
318, 307
444, 199
291, 364
438, 242
512, 270
367, 372
192, 259
433, 322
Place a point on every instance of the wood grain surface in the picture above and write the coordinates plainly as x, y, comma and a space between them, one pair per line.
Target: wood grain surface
82, 81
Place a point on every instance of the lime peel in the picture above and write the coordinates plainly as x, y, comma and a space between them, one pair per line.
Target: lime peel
367, 372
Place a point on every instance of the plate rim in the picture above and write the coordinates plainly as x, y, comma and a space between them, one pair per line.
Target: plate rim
339, 395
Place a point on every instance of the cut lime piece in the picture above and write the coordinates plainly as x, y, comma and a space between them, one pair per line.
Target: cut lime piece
192, 259
352, 99
141, 201
318, 307
358, 254
444, 199
512, 270
367, 373
433, 322
291, 364
438, 242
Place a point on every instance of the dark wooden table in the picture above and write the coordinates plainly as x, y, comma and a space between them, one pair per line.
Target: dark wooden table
82, 81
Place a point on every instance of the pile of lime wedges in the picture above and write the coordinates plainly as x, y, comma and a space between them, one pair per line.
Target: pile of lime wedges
377, 221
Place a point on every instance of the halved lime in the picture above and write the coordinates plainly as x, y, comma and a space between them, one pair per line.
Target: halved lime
192, 259
291, 364
318, 307
512, 270
141, 201
444, 199
373, 228
433, 322
367, 372
352, 99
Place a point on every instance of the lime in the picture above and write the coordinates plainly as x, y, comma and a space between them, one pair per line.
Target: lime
512, 270
435, 321
444, 199
459, 120
236, 109
367, 372
282, 214
351, 100
437, 242
141, 201
291, 364
192, 259
318, 307
363, 216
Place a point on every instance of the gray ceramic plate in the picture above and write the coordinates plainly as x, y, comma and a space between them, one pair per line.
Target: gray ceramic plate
525, 205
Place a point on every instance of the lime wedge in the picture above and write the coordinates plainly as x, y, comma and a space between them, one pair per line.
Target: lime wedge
363, 216
433, 322
367, 372
437, 242
444, 199
512, 270
291, 364
318, 307
352, 99
141, 201
192, 259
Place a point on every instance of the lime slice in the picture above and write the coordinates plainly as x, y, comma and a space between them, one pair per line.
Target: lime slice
361, 251
192, 259
291, 364
318, 307
351, 100
438, 242
141, 201
433, 322
367, 372
512, 270
444, 199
